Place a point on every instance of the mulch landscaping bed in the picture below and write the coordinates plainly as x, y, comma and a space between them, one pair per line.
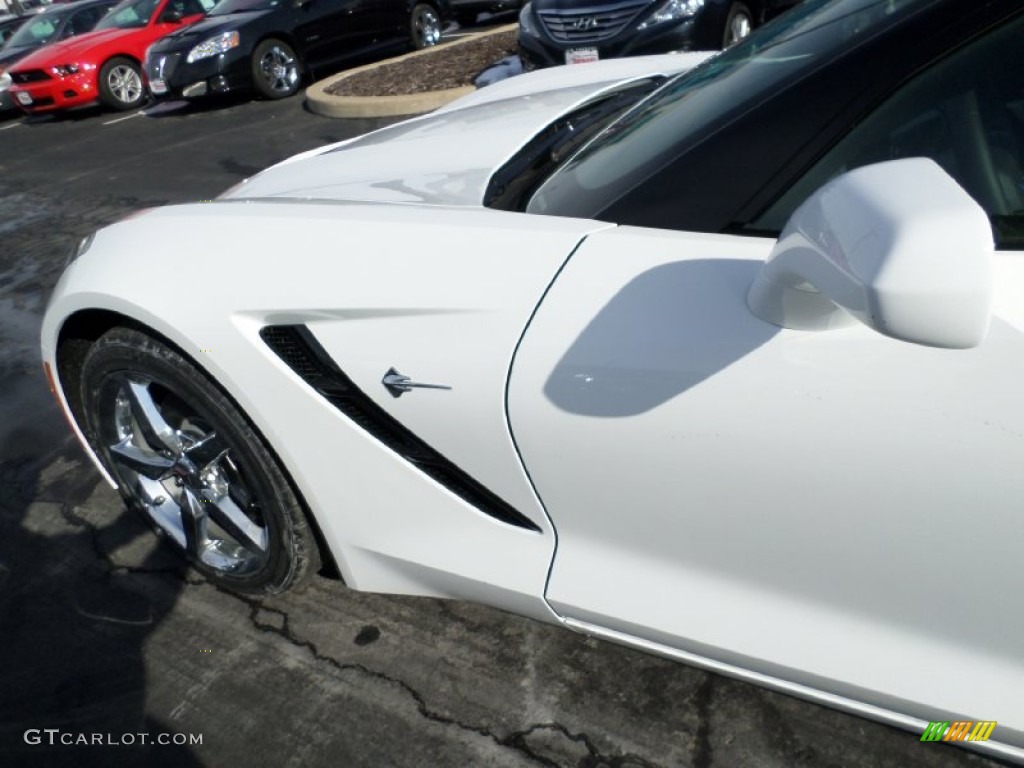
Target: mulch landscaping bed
443, 68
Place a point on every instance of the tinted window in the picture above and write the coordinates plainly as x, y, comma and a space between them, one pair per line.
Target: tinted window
685, 110
36, 31
84, 20
185, 7
134, 14
966, 113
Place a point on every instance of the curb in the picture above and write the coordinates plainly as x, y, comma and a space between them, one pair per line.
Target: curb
323, 103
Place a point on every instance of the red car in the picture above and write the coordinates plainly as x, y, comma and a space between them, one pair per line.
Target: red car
103, 65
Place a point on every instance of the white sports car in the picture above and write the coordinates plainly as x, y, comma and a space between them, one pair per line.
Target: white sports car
717, 358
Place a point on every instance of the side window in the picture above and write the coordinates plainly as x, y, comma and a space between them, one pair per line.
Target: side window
965, 112
81, 22
187, 7
42, 29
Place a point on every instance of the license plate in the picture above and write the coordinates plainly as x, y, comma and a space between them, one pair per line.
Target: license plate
158, 86
581, 55
24, 98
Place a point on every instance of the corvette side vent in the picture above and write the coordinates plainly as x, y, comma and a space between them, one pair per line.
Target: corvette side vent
301, 352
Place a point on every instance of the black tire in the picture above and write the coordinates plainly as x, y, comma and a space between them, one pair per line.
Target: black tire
276, 71
121, 85
739, 23
185, 456
424, 26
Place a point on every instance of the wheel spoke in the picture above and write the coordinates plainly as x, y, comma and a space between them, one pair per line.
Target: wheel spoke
155, 431
230, 516
206, 451
145, 463
193, 520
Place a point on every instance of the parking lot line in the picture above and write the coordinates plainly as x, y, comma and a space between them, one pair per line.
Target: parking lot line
8, 127
122, 119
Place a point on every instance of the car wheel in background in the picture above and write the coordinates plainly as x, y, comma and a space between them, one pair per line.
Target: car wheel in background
184, 455
738, 24
425, 26
121, 84
275, 69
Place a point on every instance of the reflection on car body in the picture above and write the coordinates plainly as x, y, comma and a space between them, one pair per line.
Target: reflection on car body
728, 374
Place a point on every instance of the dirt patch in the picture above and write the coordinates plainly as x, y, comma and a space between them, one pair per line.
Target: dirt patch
440, 69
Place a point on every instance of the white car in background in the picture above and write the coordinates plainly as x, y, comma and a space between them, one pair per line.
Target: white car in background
724, 365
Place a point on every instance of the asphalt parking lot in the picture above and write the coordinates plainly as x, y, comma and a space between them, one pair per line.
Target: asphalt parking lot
104, 633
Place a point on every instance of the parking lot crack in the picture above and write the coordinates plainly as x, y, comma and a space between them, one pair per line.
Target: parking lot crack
276, 622
593, 758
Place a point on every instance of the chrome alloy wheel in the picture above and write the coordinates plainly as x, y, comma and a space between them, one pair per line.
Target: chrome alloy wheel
185, 476
125, 84
426, 27
279, 69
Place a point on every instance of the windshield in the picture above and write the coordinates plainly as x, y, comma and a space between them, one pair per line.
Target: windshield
130, 15
225, 7
37, 31
692, 106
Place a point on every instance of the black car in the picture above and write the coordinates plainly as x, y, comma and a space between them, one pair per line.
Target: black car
58, 22
466, 11
8, 25
577, 31
269, 45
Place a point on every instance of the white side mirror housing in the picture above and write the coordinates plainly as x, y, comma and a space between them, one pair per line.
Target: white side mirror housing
899, 246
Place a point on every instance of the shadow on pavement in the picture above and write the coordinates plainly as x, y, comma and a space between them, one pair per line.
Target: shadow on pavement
73, 626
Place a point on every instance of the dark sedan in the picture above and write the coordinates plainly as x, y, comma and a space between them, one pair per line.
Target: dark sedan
270, 45
466, 11
579, 31
58, 22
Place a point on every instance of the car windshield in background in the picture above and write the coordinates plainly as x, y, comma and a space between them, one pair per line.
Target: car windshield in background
243, 6
693, 105
37, 31
133, 15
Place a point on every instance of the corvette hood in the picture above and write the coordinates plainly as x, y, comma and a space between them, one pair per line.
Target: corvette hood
69, 51
447, 157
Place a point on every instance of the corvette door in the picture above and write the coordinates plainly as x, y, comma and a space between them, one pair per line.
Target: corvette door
834, 509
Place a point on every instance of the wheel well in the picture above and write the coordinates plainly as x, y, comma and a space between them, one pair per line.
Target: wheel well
284, 37
435, 5
128, 56
83, 329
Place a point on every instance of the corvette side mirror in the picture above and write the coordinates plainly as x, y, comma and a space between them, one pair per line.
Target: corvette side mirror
899, 246
171, 17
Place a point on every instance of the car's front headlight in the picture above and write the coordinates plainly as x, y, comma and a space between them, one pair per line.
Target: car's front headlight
64, 70
526, 22
672, 10
214, 46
